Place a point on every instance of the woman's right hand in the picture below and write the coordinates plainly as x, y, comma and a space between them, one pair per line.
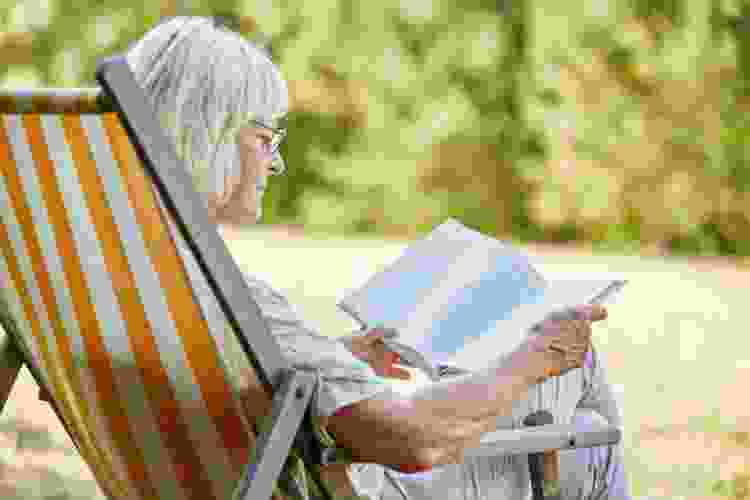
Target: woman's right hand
564, 339
371, 348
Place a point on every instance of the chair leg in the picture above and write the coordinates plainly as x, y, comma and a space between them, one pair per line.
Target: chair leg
11, 361
62, 422
10, 366
544, 466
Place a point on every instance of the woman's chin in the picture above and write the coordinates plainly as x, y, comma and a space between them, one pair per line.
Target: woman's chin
239, 221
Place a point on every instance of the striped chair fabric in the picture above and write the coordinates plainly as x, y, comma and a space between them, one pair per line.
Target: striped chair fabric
109, 309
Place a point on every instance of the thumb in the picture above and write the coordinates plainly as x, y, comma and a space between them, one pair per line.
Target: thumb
399, 373
393, 370
593, 312
379, 333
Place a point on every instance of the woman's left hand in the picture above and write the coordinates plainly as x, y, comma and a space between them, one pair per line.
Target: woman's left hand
372, 349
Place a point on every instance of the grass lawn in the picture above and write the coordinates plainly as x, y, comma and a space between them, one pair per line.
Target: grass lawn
676, 347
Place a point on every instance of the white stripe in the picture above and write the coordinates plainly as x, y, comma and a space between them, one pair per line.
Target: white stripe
11, 299
218, 329
22, 153
108, 314
51, 259
64, 301
229, 349
23, 156
14, 309
202, 430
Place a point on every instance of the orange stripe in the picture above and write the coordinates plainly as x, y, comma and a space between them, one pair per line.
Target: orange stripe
190, 327
156, 383
26, 223
200, 348
98, 357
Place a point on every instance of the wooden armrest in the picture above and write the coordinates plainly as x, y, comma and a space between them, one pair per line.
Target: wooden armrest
546, 437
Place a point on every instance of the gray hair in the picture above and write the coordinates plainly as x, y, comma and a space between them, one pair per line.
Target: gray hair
205, 83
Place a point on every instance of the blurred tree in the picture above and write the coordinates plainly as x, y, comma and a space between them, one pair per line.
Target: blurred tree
644, 115
537, 120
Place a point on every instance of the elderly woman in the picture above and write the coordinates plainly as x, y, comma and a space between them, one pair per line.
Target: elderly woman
222, 101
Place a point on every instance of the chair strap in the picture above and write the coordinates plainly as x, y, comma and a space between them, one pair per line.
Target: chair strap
293, 479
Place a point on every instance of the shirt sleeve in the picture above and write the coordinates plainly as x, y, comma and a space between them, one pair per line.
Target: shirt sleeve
344, 379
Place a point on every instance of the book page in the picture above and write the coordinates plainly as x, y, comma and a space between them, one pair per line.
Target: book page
456, 282
485, 285
393, 293
507, 332
461, 298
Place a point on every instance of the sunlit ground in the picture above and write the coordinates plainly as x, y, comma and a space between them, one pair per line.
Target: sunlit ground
676, 345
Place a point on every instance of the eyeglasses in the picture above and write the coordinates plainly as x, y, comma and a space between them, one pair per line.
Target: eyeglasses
279, 134
278, 165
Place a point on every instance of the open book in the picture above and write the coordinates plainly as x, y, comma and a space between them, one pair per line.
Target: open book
460, 299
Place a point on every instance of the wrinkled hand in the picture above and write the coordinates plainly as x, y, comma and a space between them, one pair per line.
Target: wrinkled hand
371, 349
564, 338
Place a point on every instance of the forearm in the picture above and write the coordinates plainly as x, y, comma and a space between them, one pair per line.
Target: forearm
435, 425
459, 411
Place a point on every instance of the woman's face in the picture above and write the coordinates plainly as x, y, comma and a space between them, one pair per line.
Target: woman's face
246, 193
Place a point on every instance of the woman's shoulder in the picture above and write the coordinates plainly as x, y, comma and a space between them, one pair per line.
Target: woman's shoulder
262, 289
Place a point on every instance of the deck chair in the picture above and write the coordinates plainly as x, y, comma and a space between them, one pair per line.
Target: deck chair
124, 303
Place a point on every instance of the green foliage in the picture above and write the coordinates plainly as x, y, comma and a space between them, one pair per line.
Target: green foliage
310, 133
706, 239
659, 86
435, 74
498, 74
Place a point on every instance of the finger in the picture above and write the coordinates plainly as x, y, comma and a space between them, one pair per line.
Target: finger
362, 356
395, 371
553, 327
578, 327
600, 313
557, 348
587, 330
592, 312
381, 361
375, 333
359, 346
